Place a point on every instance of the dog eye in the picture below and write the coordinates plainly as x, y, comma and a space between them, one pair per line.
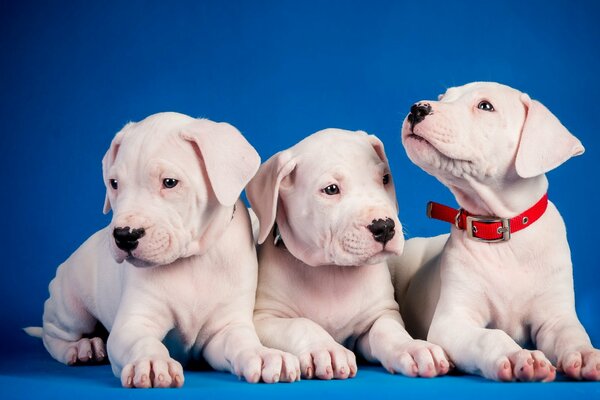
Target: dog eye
386, 179
170, 183
331, 190
486, 106
114, 183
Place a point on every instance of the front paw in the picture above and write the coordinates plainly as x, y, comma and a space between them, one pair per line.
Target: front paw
416, 358
584, 364
156, 372
270, 365
525, 366
328, 361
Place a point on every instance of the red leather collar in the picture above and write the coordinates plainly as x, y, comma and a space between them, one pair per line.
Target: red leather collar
488, 229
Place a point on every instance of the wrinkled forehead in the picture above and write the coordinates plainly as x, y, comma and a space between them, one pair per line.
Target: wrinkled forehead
338, 156
141, 144
478, 90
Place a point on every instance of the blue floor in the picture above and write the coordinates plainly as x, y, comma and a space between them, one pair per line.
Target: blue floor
33, 374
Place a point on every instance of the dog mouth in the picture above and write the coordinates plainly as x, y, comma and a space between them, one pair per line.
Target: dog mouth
138, 262
418, 138
156, 248
355, 249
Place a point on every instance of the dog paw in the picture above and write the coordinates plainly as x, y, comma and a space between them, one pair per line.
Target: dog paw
330, 361
525, 366
417, 358
579, 365
85, 351
268, 365
152, 372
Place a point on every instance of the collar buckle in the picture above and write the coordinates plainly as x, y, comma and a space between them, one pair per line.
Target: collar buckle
503, 230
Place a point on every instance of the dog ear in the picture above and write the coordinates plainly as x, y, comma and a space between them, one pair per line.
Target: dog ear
108, 160
229, 159
545, 142
263, 190
380, 150
378, 147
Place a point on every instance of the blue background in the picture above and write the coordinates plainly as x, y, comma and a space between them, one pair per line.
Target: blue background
72, 74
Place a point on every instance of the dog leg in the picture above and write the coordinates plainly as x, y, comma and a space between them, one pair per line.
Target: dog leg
66, 321
135, 347
388, 342
489, 352
236, 348
319, 354
564, 339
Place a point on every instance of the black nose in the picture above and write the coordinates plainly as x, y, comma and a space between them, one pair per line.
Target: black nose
382, 230
127, 238
418, 112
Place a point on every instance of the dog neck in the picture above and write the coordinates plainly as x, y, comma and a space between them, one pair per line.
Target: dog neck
217, 226
504, 199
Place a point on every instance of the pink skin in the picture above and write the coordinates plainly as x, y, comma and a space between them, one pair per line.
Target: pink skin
526, 366
86, 351
581, 365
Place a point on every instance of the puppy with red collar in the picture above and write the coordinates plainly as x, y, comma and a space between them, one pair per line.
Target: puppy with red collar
504, 277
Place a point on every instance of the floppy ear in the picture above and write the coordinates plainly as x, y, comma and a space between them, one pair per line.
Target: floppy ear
380, 150
108, 160
545, 142
378, 147
229, 159
263, 190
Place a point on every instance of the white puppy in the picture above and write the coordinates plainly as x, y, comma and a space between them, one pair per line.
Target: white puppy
506, 279
328, 220
173, 277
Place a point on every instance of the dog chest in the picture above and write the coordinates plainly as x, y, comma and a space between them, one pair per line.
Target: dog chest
201, 293
504, 285
343, 300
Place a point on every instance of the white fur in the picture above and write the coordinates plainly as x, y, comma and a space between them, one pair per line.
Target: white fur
187, 291
327, 288
494, 298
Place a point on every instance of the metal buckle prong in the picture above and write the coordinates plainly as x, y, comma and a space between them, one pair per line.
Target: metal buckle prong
504, 229
457, 218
